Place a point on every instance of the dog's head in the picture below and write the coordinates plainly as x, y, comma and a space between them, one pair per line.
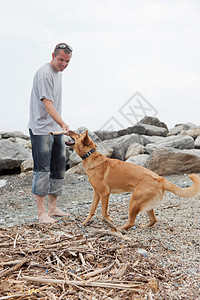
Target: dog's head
81, 143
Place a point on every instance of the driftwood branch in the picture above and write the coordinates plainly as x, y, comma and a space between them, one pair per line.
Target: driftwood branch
113, 233
111, 225
12, 269
58, 132
132, 287
102, 270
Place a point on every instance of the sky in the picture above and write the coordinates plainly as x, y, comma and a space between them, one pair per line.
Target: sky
130, 59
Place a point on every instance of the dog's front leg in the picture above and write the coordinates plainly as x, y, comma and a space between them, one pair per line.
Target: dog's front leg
95, 202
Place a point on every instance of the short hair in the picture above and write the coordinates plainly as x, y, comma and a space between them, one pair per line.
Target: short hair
62, 46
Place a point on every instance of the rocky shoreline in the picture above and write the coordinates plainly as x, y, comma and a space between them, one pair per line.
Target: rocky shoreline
172, 244
173, 241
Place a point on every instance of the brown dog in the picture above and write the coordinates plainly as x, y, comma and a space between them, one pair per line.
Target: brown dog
109, 176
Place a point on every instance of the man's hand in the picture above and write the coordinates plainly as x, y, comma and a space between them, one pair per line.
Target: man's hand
65, 127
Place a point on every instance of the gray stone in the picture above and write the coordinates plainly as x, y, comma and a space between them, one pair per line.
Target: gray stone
151, 139
21, 142
197, 142
142, 252
181, 142
179, 127
134, 149
153, 121
193, 132
14, 134
168, 161
121, 144
147, 129
140, 160
12, 155
26, 166
77, 169
106, 135
174, 141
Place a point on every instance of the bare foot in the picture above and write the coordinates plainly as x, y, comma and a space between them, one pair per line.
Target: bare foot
46, 219
57, 212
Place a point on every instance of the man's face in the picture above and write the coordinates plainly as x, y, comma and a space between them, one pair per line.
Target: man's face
61, 61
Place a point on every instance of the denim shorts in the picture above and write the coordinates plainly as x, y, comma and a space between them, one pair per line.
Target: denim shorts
49, 163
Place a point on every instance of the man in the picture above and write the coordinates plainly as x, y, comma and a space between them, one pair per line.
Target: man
48, 150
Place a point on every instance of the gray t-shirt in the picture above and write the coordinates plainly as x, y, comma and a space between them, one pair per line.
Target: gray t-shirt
47, 83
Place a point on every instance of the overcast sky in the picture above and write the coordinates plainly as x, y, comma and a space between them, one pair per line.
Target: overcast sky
121, 47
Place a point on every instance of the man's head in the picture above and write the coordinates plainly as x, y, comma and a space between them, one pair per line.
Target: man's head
61, 57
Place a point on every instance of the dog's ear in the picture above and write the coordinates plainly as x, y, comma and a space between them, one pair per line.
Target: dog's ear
86, 139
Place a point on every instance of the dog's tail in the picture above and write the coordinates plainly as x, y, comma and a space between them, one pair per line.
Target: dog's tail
189, 192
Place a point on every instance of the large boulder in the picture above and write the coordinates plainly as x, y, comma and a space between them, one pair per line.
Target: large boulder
140, 160
153, 121
121, 144
179, 127
147, 130
174, 141
134, 149
14, 134
12, 155
197, 142
168, 161
106, 135
193, 132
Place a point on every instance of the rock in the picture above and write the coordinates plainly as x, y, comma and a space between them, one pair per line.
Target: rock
121, 144
74, 159
151, 139
106, 135
180, 142
142, 252
168, 161
197, 142
153, 121
21, 142
12, 155
195, 132
138, 129
147, 130
134, 149
14, 134
140, 160
78, 169
26, 166
2, 182
178, 128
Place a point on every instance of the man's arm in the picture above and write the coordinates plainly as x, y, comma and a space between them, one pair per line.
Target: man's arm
54, 114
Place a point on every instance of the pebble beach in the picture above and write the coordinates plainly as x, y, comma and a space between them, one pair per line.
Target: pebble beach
173, 241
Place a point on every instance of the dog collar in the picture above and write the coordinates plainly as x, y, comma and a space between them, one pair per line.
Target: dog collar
88, 153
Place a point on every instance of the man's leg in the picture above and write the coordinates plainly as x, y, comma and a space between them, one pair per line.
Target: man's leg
41, 151
53, 209
57, 168
43, 216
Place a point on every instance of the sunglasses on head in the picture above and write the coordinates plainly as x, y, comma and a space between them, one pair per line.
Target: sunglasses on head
64, 46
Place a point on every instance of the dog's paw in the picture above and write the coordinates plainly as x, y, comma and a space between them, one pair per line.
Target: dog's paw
147, 225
